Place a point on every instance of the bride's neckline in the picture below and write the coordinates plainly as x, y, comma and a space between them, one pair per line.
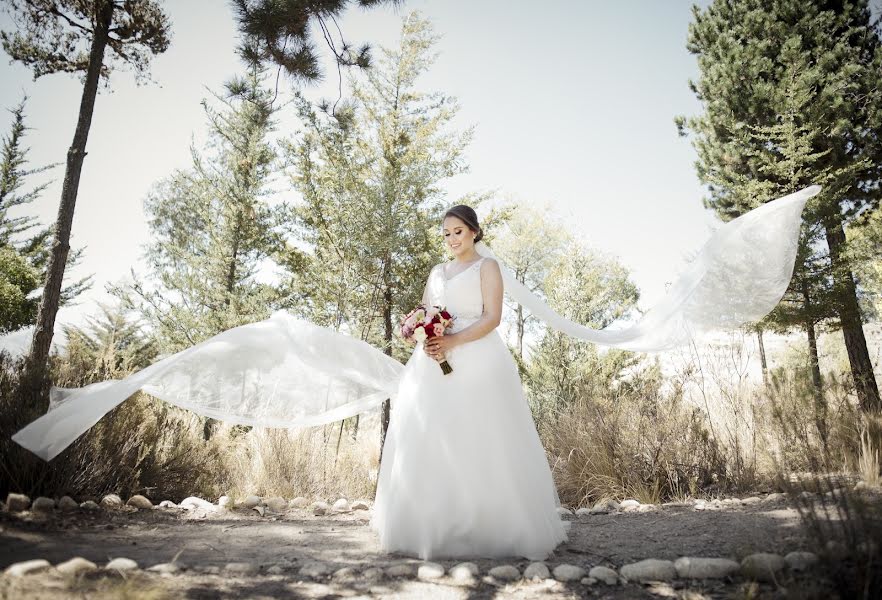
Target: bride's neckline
457, 274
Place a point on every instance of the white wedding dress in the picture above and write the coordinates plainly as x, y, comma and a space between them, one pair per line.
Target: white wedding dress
463, 473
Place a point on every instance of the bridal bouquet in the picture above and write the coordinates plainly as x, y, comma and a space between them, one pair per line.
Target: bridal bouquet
424, 322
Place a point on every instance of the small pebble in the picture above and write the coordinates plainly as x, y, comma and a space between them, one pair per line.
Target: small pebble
505, 573
17, 502
604, 574
27, 567
537, 570
75, 566
43, 504
121, 564
430, 570
568, 572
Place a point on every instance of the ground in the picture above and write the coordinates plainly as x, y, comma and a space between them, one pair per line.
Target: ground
204, 544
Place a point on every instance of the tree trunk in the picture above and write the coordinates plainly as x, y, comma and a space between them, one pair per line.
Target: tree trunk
850, 319
42, 339
520, 324
762, 352
817, 389
387, 349
815, 367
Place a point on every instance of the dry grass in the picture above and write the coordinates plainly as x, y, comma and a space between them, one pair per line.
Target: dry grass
328, 462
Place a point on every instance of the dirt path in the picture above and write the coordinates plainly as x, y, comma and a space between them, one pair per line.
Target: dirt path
275, 549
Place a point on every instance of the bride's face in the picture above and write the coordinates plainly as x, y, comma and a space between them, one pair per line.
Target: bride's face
457, 235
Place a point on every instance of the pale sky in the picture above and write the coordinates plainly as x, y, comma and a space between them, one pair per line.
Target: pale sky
573, 104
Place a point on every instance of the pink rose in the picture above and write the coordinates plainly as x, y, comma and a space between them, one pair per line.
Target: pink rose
439, 329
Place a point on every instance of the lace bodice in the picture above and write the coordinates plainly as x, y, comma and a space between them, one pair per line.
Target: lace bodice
460, 294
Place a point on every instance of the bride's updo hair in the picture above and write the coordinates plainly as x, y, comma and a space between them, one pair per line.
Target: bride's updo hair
467, 215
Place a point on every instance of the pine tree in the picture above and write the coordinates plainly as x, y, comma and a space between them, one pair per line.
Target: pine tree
371, 205
279, 32
823, 62
591, 289
25, 246
530, 245
212, 229
54, 38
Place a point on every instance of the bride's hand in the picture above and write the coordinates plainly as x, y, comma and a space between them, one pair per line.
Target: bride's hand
438, 347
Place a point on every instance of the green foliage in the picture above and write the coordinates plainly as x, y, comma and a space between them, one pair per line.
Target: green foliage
865, 248
529, 244
108, 346
792, 96
369, 179
58, 34
213, 229
142, 446
279, 32
594, 290
24, 244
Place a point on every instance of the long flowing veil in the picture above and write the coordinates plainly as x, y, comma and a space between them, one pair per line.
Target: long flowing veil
287, 372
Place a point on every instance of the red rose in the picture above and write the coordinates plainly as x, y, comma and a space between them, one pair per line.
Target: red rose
445, 314
429, 329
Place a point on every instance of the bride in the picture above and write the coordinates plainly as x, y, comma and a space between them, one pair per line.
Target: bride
463, 472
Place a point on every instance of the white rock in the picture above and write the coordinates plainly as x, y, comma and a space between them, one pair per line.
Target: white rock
240, 568
643, 508
76, 566
167, 504
261, 510
588, 581
121, 564
629, 503
801, 561
341, 505
705, 568
568, 572
314, 570
372, 574
430, 570
165, 568
68, 504
345, 574
275, 570
225, 503
537, 569
464, 571
252, 501
650, 569
775, 497
751, 500
111, 501
276, 504
360, 505
139, 501
17, 502
583, 512
43, 504
27, 567
562, 510
194, 502
604, 574
89, 505
762, 566
505, 573
319, 508
299, 502
400, 570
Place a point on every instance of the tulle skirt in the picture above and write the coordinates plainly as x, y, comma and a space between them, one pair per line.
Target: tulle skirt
463, 472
